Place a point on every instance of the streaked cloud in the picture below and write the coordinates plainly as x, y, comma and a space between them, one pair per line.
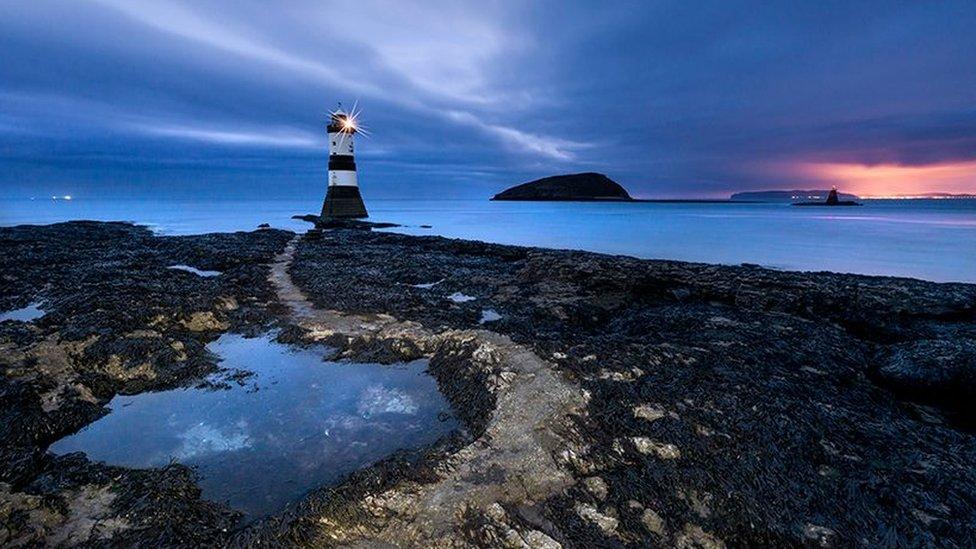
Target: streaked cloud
286, 138
185, 22
443, 48
445, 65
559, 149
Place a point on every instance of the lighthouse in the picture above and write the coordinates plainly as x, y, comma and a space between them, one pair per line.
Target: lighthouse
342, 199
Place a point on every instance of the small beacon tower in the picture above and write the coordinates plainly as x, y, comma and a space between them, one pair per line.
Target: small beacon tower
342, 199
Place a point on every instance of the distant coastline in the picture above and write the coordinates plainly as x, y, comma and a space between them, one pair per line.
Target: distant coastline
636, 200
597, 187
793, 195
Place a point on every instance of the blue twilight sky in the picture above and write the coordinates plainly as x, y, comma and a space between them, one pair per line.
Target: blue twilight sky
151, 97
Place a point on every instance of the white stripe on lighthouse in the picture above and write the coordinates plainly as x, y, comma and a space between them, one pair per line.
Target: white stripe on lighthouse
342, 178
340, 144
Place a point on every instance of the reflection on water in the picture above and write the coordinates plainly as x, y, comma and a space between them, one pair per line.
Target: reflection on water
489, 315
194, 270
928, 239
296, 424
459, 297
26, 314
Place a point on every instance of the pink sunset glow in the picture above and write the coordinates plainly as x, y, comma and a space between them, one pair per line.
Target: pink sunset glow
891, 179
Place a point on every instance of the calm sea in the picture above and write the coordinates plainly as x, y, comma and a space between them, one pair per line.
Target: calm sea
927, 239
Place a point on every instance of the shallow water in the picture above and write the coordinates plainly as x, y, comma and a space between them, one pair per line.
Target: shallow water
296, 424
427, 285
928, 239
460, 297
489, 315
194, 270
26, 314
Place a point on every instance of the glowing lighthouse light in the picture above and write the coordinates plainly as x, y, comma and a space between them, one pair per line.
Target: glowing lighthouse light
342, 199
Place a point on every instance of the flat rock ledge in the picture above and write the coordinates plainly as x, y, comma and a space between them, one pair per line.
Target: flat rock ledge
606, 401
510, 458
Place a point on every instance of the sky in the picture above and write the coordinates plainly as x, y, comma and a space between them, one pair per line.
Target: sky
157, 98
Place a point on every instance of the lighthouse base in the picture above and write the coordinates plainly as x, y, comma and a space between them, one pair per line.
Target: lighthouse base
343, 201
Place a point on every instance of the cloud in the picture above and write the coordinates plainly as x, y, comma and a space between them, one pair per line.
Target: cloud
445, 65
283, 138
179, 20
666, 97
443, 48
204, 439
559, 149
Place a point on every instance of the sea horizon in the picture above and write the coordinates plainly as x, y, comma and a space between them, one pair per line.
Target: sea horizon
917, 238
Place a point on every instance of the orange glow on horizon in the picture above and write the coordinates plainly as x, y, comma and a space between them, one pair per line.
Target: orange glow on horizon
892, 179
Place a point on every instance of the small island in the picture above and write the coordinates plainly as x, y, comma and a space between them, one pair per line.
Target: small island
579, 187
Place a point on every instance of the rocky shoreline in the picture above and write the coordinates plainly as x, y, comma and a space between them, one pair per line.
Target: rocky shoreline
607, 400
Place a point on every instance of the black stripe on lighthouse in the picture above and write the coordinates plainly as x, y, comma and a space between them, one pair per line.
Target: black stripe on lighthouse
344, 162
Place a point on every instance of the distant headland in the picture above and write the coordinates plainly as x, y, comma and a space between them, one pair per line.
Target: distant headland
572, 187
580, 187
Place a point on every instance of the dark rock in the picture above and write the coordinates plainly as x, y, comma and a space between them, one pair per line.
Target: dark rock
311, 218
136, 507
754, 406
580, 186
342, 222
760, 379
936, 371
118, 320
313, 235
681, 294
346, 223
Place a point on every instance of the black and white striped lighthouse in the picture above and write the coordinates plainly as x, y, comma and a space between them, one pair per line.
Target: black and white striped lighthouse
342, 199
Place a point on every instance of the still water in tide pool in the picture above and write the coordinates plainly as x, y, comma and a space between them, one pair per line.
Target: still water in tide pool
24, 314
297, 423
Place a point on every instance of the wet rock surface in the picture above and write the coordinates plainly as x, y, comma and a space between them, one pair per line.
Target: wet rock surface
614, 402
731, 405
118, 320
940, 372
